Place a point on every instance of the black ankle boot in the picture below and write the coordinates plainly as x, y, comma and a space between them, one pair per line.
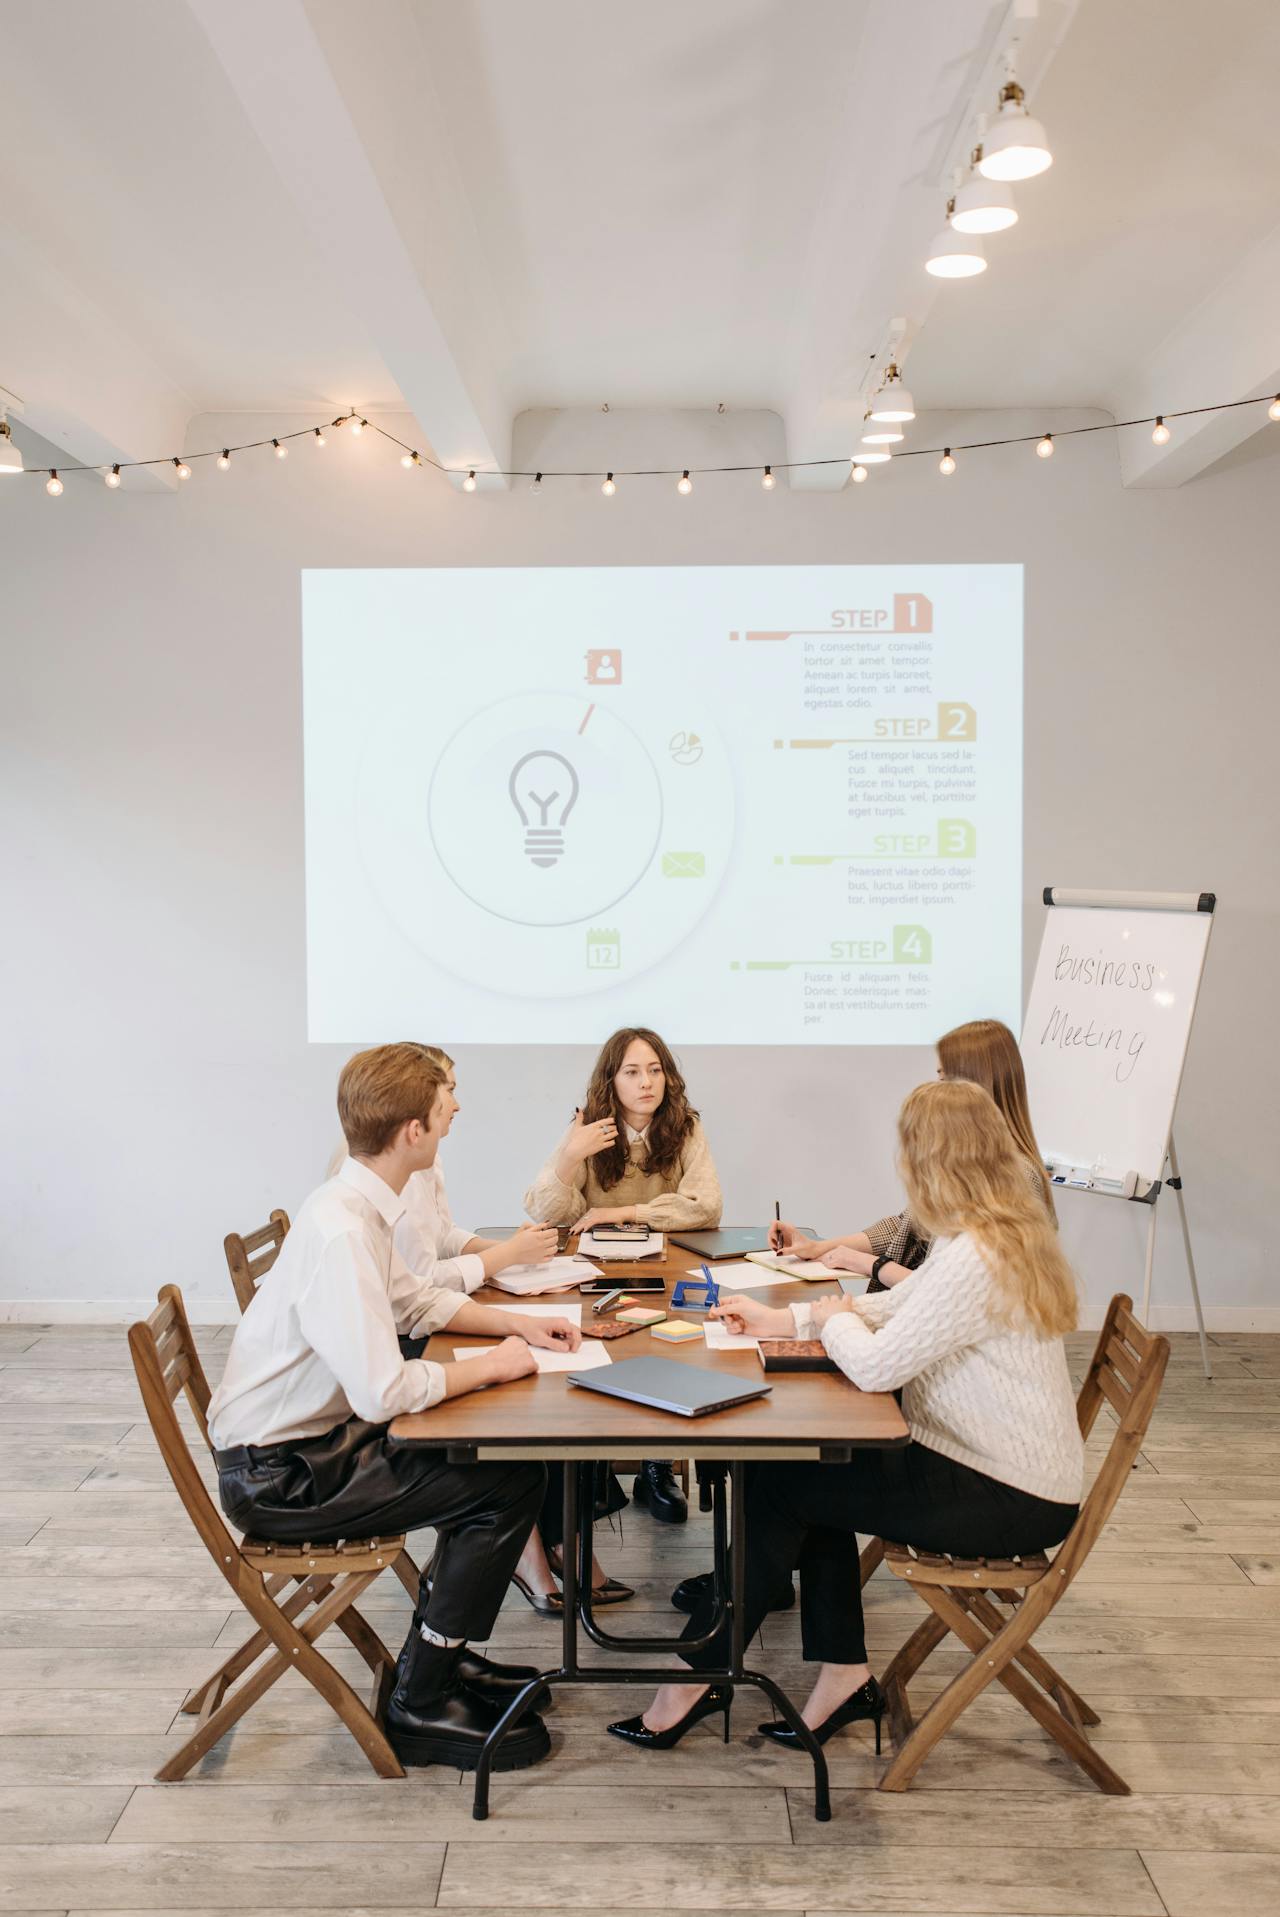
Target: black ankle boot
655, 1485
496, 1683
433, 1718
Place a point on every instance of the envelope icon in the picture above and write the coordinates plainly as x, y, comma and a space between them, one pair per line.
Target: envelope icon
684, 865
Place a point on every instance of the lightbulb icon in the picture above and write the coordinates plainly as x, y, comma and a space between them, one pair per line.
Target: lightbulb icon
543, 842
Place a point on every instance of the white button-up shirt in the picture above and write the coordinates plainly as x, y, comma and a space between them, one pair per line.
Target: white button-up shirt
318, 1344
429, 1241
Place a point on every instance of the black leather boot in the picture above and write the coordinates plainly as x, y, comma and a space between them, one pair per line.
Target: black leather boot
655, 1486
498, 1683
433, 1718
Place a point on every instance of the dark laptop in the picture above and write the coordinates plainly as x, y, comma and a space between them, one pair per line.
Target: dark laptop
735, 1241
667, 1385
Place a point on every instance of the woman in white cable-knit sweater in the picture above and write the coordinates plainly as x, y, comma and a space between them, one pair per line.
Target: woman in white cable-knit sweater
995, 1462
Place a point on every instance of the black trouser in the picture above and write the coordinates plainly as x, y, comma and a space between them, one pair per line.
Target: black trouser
808, 1514
352, 1483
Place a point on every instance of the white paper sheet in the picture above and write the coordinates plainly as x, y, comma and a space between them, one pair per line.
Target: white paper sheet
735, 1276
586, 1358
569, 1308
720, 1338
621, 1248
558, 1274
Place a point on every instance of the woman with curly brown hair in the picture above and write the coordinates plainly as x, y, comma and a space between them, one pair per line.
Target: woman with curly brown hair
635, 1153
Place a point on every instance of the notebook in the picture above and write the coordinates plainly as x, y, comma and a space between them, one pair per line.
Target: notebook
667, 1385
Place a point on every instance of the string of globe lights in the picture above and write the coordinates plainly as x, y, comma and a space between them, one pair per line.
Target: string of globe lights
890, 409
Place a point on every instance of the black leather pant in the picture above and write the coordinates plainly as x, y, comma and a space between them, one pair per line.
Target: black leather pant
351, 1483
809, 1515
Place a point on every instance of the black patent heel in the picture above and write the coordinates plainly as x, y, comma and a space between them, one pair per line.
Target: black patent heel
867, 1705
634, 1730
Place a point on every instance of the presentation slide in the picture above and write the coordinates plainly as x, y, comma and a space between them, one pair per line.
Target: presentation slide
745, 805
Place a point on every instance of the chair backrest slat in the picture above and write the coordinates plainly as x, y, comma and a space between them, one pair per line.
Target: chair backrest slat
1131, 1388
160, 1384
249, 1259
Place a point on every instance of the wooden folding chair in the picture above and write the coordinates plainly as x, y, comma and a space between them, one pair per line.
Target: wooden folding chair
250, 1259
965, 1595
328, 1577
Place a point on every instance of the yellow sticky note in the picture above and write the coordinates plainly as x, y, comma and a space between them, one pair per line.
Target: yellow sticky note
676, 1333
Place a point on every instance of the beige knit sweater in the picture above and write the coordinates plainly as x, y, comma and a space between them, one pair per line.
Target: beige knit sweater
685, 1199
993, 1396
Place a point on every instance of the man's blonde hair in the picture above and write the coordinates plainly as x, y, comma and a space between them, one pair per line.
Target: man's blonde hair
964, 1171
382, 1089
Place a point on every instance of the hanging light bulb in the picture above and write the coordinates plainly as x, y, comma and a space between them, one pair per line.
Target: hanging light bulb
469, 483
409, 460
767, 480
684, 484
1160, 434
320, 438
1273, 412
224, 459
982, 205
1044, 447
356, 424
112, 478
53, 485
535, 484
953, 255
182, 469
282, 452
1016, 147
10, 457
946, 465
893, 401
608, 488
858, 474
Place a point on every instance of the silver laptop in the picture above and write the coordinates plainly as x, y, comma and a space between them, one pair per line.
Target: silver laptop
732, 1241
667, 1385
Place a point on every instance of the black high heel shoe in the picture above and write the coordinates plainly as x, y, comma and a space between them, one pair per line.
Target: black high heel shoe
866, 1702
634, 1730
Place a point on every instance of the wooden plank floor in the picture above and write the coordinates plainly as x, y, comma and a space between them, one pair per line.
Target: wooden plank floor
110, 1611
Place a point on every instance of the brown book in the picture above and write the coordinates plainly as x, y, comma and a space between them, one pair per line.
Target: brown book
795, 1354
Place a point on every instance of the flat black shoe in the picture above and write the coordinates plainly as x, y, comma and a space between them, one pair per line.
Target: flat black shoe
655, 1487
693, 1591
499, 1683
634, 1730
867, 1702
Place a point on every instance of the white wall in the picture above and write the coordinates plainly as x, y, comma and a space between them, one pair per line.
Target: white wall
159, 1087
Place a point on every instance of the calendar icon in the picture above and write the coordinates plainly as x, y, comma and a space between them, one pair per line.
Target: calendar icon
604, 950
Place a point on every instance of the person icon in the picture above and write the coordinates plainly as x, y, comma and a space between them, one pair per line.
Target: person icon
604, 668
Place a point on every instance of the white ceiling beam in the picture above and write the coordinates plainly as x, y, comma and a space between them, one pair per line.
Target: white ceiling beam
1227, 348
885, 202
87, 387
340, 100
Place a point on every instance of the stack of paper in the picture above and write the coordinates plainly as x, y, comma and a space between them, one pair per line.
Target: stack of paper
586, 1358
733, 1276
592, 1247
810, 1268
558, 1274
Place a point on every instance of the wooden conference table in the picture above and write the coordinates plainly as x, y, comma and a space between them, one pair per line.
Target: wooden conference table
807, 1415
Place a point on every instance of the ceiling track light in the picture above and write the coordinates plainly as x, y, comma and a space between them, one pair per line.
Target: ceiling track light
1160, 434
53, 485
893, 402
684, 484
946, 465
10, 456
608, 488
1015, 147
982, 205
767, 480
955, 255
469, 483
1044, 447
112, 478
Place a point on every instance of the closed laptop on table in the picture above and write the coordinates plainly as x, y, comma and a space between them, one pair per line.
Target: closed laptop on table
666, 1385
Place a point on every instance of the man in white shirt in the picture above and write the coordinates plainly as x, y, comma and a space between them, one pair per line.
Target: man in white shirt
315, 1374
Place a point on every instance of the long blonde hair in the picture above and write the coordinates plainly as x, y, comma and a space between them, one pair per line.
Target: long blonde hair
963, 1172
986, 1052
